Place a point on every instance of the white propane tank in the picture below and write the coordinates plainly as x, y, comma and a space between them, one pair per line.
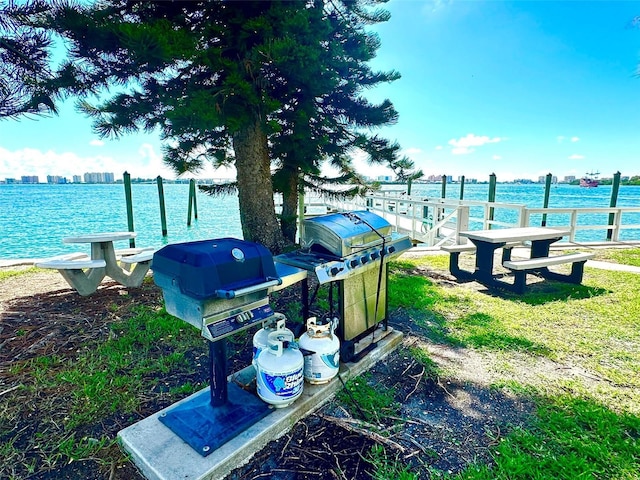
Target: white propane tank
322, 356
279, 377
277, 323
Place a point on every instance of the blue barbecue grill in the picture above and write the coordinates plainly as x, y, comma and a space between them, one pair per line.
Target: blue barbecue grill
221, 287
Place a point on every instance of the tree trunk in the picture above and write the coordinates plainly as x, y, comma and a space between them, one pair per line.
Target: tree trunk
290, 208
255, 190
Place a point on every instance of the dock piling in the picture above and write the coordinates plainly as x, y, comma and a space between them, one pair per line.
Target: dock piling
492, 196
545, 202
163, 213
126, 179
615, 186
192, 202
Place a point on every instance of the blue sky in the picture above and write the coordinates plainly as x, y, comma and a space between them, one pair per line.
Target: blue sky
519, 89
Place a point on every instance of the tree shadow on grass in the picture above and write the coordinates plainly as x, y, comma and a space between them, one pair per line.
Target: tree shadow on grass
482, 331
544, 291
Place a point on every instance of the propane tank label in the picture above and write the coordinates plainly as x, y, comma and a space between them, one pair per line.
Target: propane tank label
331, 360
321, 367
284, 386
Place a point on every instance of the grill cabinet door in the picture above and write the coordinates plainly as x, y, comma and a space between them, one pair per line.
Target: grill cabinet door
358, 303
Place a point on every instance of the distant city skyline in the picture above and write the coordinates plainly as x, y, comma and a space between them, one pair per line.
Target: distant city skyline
515, 88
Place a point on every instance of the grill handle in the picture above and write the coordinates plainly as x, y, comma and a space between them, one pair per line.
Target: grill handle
229, 294
362, 245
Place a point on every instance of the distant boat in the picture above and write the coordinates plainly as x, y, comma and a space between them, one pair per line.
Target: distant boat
590, 180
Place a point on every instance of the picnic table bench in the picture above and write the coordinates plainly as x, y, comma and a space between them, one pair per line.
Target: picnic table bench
540, 266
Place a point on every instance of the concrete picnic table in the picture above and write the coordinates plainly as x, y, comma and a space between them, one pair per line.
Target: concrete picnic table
85, 275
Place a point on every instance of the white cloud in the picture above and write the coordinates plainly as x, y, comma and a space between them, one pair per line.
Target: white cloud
464, 145
497, 157
562, 138
29, 161
439, 147
575, 156
96, 143
432, 6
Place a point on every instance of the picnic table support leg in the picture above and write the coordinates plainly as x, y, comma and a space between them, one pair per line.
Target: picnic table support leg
577, 272
484, 261
519, 281
540, 248
85, 284
454, 266
106, 251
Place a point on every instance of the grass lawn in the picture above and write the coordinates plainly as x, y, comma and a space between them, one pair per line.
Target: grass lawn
587, 424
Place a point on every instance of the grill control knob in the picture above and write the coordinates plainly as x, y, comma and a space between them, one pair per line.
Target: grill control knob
333, 271
354, 263
391, 249
375, 255
364, 259
243, 317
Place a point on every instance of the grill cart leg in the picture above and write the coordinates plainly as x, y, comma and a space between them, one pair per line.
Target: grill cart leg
210, 419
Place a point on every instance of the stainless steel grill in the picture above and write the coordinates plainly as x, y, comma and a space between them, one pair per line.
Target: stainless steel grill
351, 249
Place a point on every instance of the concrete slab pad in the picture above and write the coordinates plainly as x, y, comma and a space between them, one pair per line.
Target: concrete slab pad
161, 455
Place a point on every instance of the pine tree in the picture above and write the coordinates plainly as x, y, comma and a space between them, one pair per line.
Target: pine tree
24, 61
233, 83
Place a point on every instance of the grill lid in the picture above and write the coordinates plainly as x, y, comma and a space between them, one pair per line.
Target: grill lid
343, 233
213, 268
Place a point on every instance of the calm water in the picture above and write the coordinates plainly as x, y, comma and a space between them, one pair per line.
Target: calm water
35, 218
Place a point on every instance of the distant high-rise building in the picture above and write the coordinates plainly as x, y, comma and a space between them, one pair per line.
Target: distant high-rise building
77, 179
101, 177
56, 179
29, 179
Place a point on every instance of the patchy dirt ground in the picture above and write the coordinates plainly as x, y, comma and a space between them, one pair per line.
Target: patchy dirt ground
443, 423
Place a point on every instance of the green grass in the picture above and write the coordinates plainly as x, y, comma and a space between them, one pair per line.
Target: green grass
366, 401
147, 345
586, 425
630, 256
6, 273
571, 438
105, 378
386, 467
594, 325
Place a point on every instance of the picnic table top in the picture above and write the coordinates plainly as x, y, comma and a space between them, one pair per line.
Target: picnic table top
517, 234
100, 237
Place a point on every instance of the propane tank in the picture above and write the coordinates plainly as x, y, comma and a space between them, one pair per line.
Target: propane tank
321, 348
277, 323
279, 376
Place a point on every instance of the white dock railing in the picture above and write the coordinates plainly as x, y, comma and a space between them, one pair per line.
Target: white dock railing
436, 221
